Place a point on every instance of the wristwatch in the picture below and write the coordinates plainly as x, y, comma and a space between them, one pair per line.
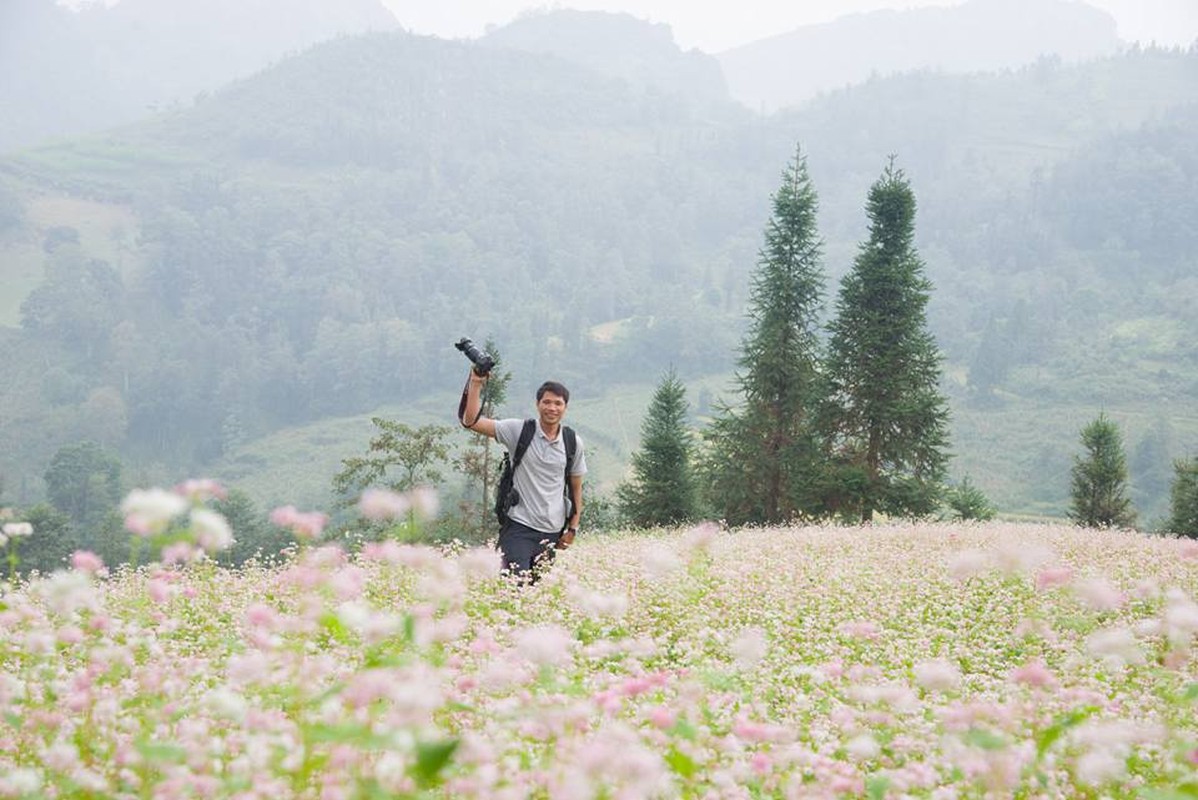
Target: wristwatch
572, 530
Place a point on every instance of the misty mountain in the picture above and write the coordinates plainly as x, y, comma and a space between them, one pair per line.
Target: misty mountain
975, 36
64, 72
305, 243
617, 45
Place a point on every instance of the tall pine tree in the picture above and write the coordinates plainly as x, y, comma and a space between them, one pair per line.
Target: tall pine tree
885, 418
762, 457
662, 488
1184, 498
1099, 479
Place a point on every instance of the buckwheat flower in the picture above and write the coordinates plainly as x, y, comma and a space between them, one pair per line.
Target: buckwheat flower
150, 511
23, 781
1181, 619
67, 592
383, 504
969, 564
88, 562
225, 703
860, 629
180, 553
17, 530
199, 490
1053, 576
305, 525
544, 645
1189, 550
749, 647
424, 501
479, 563
1101, 766
1115, 645
1099, 594
658, 562
863, 747
1033, 673
211, 529
699, 538
938, 675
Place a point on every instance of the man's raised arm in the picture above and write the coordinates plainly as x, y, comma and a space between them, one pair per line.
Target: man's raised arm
472, 418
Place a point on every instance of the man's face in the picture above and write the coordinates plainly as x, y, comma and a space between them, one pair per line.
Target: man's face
551, 408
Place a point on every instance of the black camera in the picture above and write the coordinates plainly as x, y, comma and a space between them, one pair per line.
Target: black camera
483, 363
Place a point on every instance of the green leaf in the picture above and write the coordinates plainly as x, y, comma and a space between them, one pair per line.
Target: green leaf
1187, 792
335, 628
684, 730
161, 752
1049, 736
681, 763
431, 758
876, 786
1191, 693
984, 739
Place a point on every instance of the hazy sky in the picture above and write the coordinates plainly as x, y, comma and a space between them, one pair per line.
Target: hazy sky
713, 26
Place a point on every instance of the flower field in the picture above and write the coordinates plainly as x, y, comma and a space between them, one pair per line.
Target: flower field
919, 660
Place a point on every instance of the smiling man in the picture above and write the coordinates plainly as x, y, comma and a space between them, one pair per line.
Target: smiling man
547, 469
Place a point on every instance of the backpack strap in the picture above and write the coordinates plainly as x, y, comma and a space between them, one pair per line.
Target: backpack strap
571, 449
526, 434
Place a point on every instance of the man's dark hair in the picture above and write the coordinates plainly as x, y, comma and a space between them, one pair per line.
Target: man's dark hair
556, 388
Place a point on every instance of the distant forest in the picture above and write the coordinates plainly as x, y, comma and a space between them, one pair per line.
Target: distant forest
307, 243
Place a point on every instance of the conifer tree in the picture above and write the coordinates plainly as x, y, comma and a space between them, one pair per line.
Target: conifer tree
662, 489
1099, 479
1184, 498
762, 457
885, 418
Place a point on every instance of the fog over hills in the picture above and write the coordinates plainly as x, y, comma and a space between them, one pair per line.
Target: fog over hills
64, 72
977, 36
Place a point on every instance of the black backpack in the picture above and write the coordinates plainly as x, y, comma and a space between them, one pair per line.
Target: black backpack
506, 495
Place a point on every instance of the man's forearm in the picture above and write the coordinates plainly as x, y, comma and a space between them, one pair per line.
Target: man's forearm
473, 398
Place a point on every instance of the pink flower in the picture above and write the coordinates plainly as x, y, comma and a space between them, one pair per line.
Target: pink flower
383, 504
861, 629
305, 525
1099, 594
1033, 673
89, 562
199, 490
1053, 576
662, 718
938, 675
1189, 549
545, 645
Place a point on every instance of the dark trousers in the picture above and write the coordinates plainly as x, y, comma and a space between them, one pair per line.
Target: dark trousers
526, 553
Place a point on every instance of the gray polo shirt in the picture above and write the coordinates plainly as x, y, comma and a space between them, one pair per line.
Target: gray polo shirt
540, 478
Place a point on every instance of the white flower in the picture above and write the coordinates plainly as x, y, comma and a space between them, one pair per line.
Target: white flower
211, 529
424, 501
749, 647
383, 504
863, 747
544, 644
1116, 645
16, 530
938, 675
150, 511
